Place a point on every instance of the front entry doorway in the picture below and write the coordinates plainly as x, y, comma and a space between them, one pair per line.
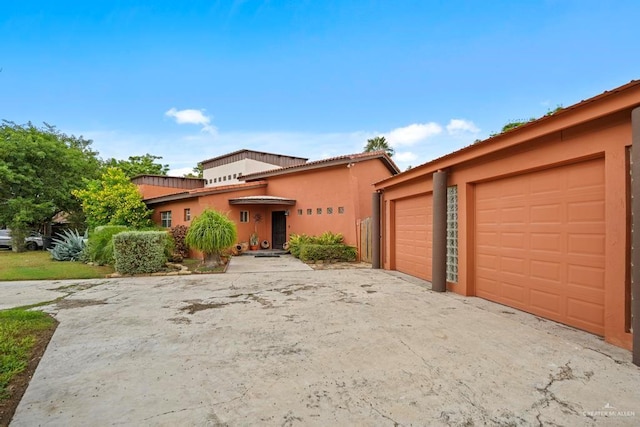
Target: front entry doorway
278, 229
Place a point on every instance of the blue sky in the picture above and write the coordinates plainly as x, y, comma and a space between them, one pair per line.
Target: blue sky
196, 79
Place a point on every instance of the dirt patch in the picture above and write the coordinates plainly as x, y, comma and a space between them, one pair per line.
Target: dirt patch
197, 306
339, 265
77, 303
19, 384
290, 289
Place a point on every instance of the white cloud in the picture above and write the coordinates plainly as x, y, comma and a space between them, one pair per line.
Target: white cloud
192, 117
180, 171
457, 126
406, 156
183, 150
409, 135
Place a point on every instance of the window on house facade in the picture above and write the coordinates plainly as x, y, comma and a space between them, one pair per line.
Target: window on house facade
452, 234
309, 211
329, 211
340, 209
244, 216
319, 211
229, 177
299, 211
187, 214
165, 218
214, 180
235, 175
224, 178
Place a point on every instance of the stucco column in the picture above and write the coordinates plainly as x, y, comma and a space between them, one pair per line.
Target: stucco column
635, 236
375, 230
439, 230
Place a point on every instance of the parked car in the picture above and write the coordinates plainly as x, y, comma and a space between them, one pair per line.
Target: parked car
32, 242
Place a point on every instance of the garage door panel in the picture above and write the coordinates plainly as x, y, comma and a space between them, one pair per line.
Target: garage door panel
413, 223
587, 316
586, 276
546, 302
543, 249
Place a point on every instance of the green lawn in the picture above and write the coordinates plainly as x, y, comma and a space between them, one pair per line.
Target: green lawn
38, 265
19, 332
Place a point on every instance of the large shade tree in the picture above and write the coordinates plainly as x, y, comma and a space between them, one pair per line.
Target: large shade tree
379, 143
139, 165
39, 169
113, 200
211, 232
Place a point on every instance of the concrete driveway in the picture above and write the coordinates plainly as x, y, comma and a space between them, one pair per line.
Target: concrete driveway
330, 347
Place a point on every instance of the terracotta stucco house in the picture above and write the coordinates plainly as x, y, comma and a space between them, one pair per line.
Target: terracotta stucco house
286, 194
537, 218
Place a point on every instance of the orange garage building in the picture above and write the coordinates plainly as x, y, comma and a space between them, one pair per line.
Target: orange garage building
537, 218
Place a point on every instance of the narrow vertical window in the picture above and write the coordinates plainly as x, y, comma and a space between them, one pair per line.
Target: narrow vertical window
319, 211
329, 211
244, 216
452, 234
187, 214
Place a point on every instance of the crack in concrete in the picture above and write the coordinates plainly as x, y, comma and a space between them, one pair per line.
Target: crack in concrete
619, 362
565, 374
414, 352
170, 412
395, 423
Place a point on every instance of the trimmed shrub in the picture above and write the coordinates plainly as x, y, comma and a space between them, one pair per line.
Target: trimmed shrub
296, 241
138, 252
68, 247
332, 253
328, 238
100, 246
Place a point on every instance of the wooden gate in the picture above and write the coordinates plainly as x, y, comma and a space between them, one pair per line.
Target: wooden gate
366, 240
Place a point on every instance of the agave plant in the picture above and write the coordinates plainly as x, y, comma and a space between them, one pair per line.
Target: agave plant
69, 247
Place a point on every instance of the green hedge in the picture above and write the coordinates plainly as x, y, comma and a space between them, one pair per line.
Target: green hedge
296, 241
335, 252
140, 251
100, 246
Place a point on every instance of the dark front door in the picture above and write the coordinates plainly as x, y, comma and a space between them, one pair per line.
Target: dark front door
278, 229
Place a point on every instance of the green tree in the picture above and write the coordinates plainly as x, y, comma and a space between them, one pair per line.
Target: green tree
113, 200
39, 169
198, 171
377, 144
211, 232
139, 165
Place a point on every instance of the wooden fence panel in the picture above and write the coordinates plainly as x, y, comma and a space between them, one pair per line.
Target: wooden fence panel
366, 240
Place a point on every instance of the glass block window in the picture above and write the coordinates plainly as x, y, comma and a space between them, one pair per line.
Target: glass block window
299, 211
319, 211
309, 211
165, 218
187, 214
340, 209
452, 234
329, 211
244, 216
